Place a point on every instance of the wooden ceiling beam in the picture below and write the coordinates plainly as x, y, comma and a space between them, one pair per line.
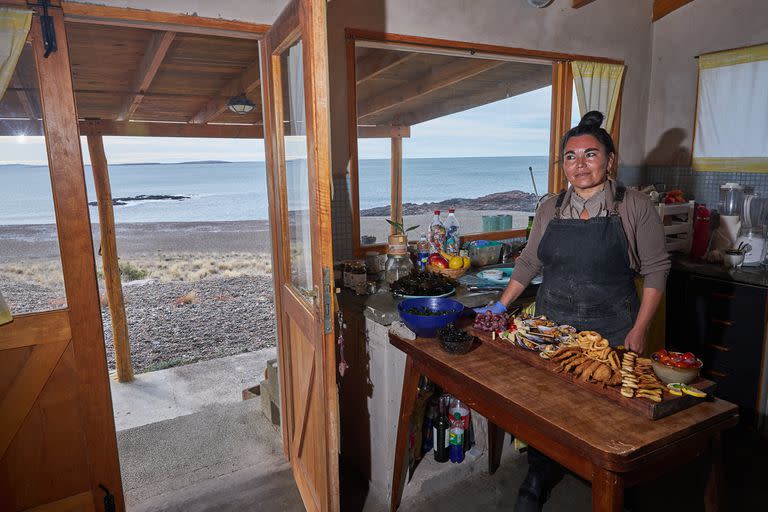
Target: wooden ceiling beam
580, 3
248, 81
148, 129
379, 62
663, 7
461, 103
383, 132
434, 80
153, 56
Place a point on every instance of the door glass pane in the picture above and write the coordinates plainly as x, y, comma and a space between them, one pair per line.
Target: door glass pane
31, 277
296, 169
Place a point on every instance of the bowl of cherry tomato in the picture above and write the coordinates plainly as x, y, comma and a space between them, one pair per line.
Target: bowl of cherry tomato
680, 367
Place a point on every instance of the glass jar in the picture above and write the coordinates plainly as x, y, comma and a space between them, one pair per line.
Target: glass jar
398, 265
752, 242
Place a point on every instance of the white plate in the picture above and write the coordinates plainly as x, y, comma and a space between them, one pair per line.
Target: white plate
506, 274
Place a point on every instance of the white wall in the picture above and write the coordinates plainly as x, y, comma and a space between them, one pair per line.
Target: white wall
699, 27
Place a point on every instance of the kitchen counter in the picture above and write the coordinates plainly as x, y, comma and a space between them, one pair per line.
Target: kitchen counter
755, 276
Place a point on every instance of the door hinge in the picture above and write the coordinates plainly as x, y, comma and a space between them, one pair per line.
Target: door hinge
109, 499
327, 317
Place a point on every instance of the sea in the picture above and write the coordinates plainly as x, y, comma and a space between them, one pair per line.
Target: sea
228, 191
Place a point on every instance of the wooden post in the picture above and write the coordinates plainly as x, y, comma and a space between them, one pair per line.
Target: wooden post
109, 259
562, 94
396, 167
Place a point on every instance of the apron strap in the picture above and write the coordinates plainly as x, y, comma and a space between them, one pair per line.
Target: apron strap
618, 197
559, 203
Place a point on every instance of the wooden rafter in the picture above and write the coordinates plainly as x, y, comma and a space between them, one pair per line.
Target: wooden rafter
383, 132
580, 3
432, 81
663, 7
248, 81
147, 129
461, 103
153, 56
27, 103
377, 63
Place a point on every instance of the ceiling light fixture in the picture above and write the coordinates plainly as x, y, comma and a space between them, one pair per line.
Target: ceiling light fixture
540, 3
240, 104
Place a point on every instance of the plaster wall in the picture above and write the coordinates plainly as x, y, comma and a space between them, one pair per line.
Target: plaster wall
699, 27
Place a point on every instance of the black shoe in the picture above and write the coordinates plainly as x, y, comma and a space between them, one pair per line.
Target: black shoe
533, 493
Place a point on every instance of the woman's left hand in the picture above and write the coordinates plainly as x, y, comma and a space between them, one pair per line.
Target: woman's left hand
635, 340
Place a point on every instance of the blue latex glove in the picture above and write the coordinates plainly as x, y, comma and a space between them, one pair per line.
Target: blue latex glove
496, 308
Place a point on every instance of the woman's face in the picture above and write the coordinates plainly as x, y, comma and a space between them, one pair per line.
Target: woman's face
585, 162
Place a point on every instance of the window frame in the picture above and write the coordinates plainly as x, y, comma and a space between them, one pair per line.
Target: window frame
562, 88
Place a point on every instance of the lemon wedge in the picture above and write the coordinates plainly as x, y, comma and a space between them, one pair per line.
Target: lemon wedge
690, 390
676, 392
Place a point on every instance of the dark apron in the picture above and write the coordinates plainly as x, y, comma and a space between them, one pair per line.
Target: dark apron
587, 280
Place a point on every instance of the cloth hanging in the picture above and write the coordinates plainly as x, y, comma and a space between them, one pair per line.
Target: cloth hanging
732, 111
14, 26
597, 88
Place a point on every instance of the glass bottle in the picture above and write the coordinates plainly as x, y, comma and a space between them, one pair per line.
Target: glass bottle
422, 252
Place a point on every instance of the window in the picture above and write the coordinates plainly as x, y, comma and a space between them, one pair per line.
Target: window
732, 111
31, 278
477, 140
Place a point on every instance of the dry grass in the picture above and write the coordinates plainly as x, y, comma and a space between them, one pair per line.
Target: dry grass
165, 267
188, 298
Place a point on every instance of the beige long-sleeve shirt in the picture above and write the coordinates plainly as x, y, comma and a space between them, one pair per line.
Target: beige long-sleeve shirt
642, 225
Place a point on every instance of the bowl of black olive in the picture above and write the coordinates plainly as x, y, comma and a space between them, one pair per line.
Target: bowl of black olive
455, 341
425, 316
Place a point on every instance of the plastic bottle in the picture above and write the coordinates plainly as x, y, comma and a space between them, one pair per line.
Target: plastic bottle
422, 252
452, 240
700, 233
440, 433
457, 406
456, 439
436, 234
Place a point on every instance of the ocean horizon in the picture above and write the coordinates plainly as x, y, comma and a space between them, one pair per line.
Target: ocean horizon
232, 191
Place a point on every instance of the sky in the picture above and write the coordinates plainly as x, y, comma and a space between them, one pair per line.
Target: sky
517, 126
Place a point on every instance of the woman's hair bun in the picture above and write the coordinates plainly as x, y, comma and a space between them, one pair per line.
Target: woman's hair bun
592, 119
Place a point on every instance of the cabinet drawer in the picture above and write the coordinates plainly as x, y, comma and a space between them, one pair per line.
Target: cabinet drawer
726, 314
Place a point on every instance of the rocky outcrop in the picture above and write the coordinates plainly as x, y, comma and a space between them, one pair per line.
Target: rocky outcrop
122, 201
516, 200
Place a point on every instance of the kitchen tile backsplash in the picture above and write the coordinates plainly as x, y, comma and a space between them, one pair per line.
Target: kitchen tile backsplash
703, 187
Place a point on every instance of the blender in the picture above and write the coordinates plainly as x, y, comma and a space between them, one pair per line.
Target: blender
730, 208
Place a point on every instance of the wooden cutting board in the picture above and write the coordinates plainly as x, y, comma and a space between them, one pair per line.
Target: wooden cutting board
669, 404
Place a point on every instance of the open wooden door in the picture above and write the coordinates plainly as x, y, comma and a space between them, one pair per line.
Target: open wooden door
57, 434
295, 73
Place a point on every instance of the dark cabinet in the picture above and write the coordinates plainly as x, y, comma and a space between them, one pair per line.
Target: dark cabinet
724, 323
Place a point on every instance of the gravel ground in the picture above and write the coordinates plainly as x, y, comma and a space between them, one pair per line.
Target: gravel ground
176, 323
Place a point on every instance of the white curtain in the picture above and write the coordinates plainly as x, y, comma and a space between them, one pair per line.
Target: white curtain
597, 88
732, 111
14, 25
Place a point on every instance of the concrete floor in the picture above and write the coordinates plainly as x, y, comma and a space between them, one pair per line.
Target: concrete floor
166, 394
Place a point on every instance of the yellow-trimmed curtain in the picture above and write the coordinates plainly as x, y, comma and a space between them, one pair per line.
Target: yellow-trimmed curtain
597, 88
732, 111
14, 26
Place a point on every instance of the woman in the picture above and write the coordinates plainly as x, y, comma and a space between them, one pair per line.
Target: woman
588, 243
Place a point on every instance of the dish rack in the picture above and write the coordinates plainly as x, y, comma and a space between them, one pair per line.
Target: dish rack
678, 225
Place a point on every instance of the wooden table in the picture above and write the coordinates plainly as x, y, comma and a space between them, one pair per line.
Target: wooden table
598, 440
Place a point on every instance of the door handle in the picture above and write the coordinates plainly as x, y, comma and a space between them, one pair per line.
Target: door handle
727, 323
309, 294
719, 348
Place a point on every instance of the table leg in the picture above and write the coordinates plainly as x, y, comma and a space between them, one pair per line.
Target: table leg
715, 491
407, 401
607, 491
495, 446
